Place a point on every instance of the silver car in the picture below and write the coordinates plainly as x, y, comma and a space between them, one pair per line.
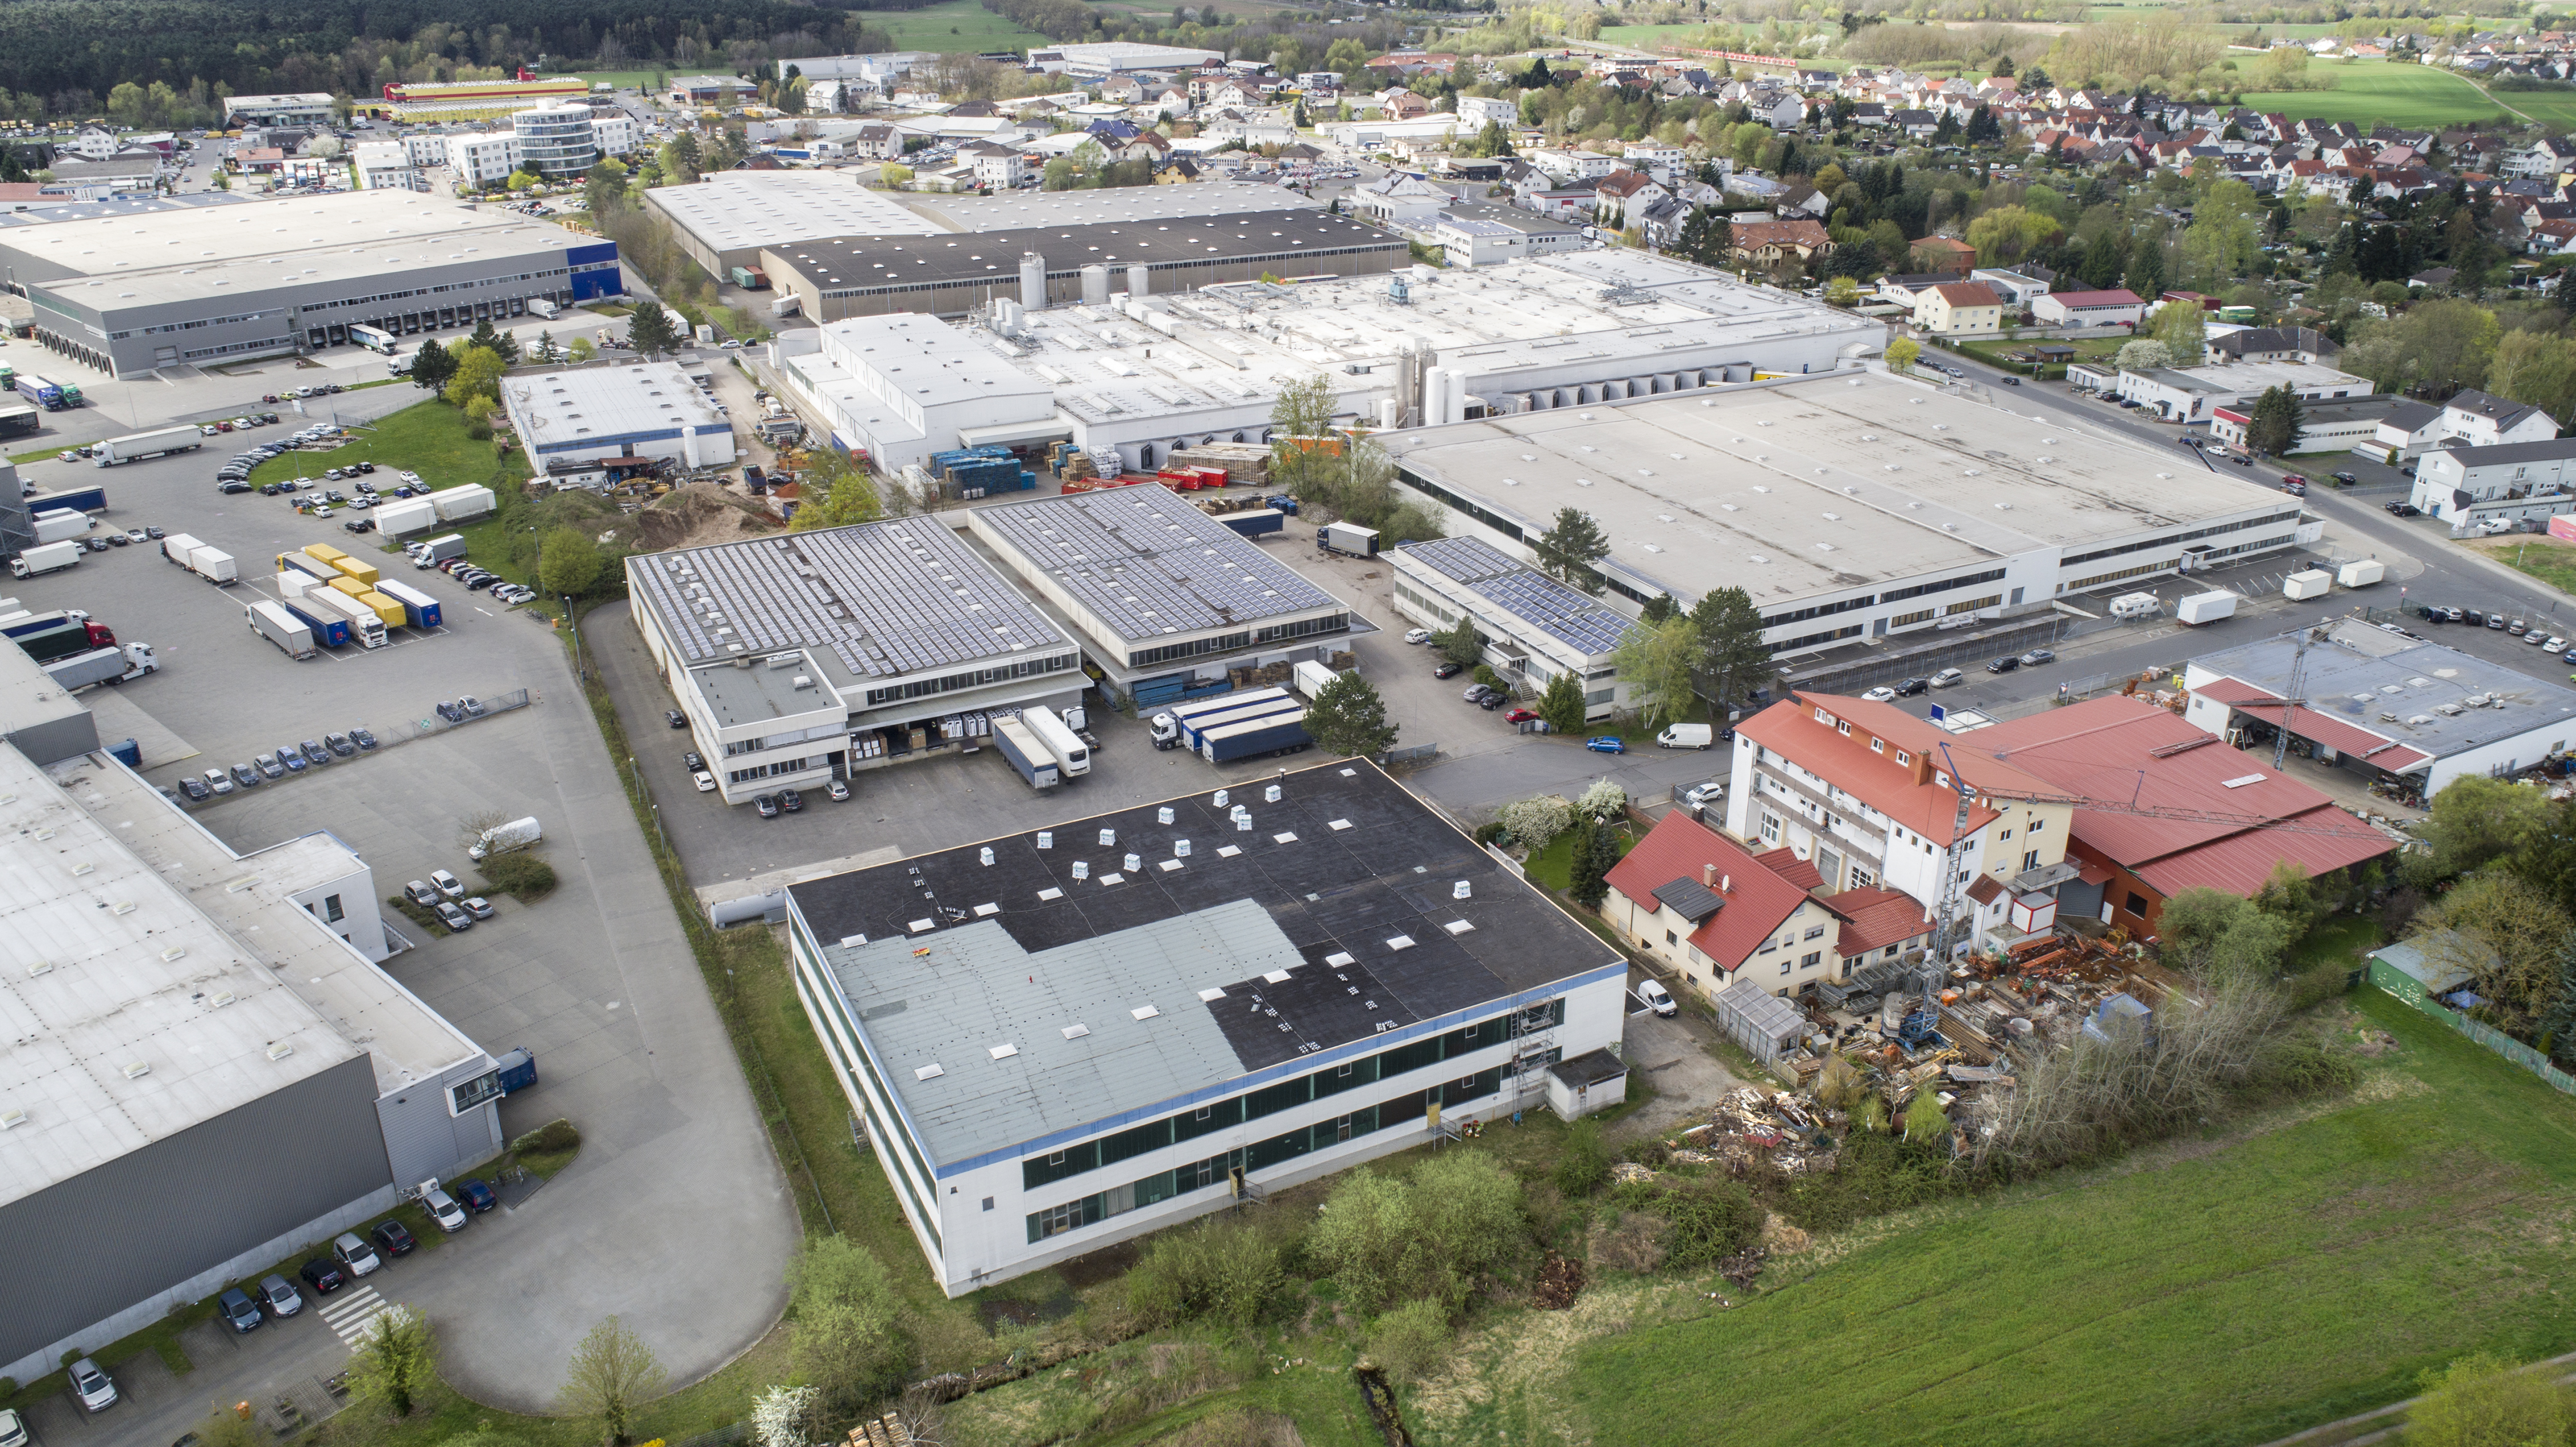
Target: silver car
443, 1209
92, 1386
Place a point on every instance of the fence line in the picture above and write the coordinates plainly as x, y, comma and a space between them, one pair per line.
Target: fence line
2402, 986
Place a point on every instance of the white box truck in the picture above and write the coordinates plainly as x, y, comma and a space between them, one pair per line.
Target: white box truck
1313, 678
2313, 583
503, 838
53, 557
160, 442
405, 515
1071, 758
214, 565
459, 503
2208, 607
542, 307
280, 627
176, 548
2361, 572
434, 551
59, 524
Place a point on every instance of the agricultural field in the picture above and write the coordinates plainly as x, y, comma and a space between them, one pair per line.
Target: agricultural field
957, 25
2374, 91
2292, 1268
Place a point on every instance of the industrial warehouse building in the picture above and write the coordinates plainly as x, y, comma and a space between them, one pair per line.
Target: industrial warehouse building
952, 275
1852, 507
1144, 372
806, 657
202, 1070
726, 220
2384, 706
899, 388
1166, 598
131, 292
647, 409
1063, 1039
1534, 627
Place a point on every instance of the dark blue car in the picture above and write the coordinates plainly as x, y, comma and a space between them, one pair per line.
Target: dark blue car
477, 1196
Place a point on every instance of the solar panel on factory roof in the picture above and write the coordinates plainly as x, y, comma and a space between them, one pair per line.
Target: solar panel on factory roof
885, 598
1148, 563
1561, 612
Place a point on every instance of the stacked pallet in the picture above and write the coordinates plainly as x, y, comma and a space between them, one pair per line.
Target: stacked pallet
1245, 464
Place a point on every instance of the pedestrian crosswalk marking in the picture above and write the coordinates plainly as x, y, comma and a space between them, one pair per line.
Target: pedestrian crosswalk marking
348, 1317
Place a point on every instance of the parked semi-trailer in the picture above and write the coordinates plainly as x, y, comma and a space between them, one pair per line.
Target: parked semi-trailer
78, 499
1256, 738
328, 626
1171, 725
20, 624
60, 525
41, 392
1257, 522
351, 567
314, 568
1349, 538
366, 629
160, 442
2208, 607
214, 565
176, 548
103, 665
275, 623
396, 516
65, 638
52, 557
1019, 743
1072, 758
1241, 706
419, 609
1313, 678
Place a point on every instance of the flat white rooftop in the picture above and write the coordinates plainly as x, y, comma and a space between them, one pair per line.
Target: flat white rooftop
747, 210
294, 231
579, 404
134, 1002
1117, 203
1819, 484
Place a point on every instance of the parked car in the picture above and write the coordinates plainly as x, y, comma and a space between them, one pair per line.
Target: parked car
268, 768
315, 753
1418, 635
456, 920
94, 1389
362, 738
2038, 656
1881, 694
448, 884
218, 781
419, 893
839, 789
340, 744
1475, 692
279, 1295
2005, 664
393, 1237
293, 759
790, 801
705, 781
443, 1209
1519, 715
354, 1254
2346, 479
1493, 700
478, 1196
675, 718
1908, 687
767, 805
238, 1311
478, 907
1657, 998
1447, 670
473, 706
1948, 678
448, 710
320, 1274
2404, 509
1606, 744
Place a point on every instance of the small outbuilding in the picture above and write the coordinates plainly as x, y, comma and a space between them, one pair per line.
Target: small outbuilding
1593, 1081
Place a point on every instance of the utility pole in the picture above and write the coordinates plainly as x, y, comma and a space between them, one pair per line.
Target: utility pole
2290, 700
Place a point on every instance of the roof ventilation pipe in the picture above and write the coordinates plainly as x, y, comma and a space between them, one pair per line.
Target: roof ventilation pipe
1033, 281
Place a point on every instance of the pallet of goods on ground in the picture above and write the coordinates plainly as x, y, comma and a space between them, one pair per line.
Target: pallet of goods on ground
1246, 464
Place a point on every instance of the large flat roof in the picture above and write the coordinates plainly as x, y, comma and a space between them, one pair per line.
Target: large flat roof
579, 405
55, 210
1332, 920
747, 210
852, 263
884, 599
1026, 209
157, 980
1816, 484
1147, 563
2359, 673
305, 231
1568, 615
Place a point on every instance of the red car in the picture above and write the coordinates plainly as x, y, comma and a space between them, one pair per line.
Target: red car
2294, 484
1519, 715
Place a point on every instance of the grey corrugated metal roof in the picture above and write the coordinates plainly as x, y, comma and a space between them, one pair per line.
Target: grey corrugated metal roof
1147, 563
954, 997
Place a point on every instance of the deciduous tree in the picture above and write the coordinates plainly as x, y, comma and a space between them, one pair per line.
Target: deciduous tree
1657, 663
394, 1362
611, 1374
1901, 354
478, 374
1561, 708
850, 1342
571, 564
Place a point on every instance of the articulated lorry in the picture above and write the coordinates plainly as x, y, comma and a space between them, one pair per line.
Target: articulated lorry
1072, 757
1256, 738
103, 665
419, 609
160, 442
1018, 743
1358, 542
366, 628
273, 622
65, 638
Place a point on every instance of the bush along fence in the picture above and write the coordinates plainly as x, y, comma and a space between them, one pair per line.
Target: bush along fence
2406, 987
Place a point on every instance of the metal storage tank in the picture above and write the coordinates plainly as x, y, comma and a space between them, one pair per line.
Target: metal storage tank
1138, 284
1095, 285
1033, 281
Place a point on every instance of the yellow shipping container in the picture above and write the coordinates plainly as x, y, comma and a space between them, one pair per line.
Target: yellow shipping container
364, 572
352, 587
322, 552
386, 608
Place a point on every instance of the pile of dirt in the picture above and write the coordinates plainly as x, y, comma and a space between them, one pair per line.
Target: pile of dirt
698, 515
1559, 1282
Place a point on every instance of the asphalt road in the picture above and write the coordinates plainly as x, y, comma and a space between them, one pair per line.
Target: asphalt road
675, 1215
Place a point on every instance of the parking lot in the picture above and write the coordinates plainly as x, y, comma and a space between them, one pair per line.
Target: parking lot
675, 1214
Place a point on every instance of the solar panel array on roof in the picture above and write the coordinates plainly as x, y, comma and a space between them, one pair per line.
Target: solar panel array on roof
1148, 563
1561, 612
885, 598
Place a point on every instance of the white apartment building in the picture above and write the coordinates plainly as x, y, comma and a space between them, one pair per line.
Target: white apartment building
482, 158
386, 166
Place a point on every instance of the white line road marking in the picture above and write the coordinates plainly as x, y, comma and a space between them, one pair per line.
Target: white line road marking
486, 612
350, 1314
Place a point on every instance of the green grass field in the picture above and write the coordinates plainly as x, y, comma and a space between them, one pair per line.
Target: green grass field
2373, 91
428, 437
2296, 1269
954, 26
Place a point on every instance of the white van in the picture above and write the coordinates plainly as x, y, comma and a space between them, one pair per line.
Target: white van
502, 838
1686, 736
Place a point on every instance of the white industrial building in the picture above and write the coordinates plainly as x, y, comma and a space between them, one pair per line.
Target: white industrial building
726, 220
1473, 233
301, 108
203, 1068
901, 387
813, 655
1065, 1038
1164, 597
1851, 507
2339, 426
639, 409
482, 158
2466, 486
1139, 374
2382, 705
1103, 59
1534, 627
2191, 394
